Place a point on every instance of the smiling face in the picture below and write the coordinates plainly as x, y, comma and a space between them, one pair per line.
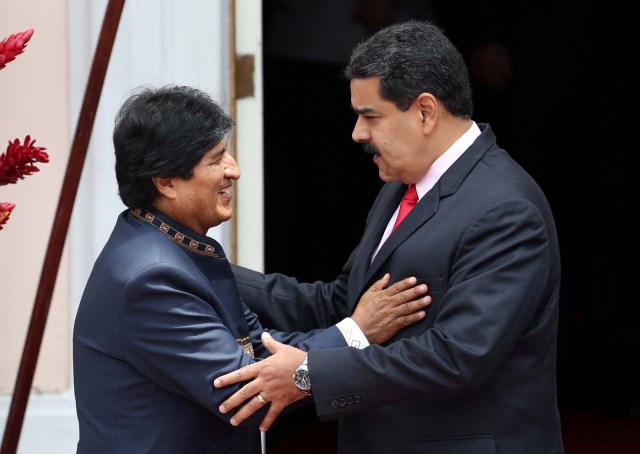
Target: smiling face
395, 138
204, 200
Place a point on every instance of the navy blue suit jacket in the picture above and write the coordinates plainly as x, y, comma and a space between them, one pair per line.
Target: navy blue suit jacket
159, 319
478, 375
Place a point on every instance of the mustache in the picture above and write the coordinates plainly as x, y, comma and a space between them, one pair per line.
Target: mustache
369, 148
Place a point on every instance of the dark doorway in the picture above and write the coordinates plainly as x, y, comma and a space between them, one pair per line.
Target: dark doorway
560, 116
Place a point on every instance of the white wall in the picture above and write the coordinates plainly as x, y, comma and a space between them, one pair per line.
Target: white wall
249, 152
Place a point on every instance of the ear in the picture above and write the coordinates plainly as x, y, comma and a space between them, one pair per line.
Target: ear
164, 186
427, 105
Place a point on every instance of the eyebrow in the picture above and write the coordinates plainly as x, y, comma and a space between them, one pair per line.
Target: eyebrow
363, 110
219, 153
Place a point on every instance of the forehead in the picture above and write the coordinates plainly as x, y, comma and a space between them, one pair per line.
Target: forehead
365, 97
364, 92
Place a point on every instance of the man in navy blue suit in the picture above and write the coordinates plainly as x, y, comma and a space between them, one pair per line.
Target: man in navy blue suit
161, 315
478, 374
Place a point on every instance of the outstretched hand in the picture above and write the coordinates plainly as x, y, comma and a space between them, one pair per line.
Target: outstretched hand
271, 382
383, 311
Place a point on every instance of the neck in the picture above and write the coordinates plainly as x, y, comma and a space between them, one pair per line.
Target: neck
448, 132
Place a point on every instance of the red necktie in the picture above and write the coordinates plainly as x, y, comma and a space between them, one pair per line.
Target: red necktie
408, 202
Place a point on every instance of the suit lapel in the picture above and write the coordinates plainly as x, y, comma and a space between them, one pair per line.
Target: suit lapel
426, 207
381, 217
382, 210
362, 274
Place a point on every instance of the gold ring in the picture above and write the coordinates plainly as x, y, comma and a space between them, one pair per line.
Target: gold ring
261, 399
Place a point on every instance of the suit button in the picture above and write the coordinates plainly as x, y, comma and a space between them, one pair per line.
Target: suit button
334, 404
357, 399
349, 400
342, 402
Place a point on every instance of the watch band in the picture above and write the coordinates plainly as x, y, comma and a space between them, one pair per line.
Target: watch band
301, 377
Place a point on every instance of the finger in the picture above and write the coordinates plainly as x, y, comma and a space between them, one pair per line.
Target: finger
412, 311
409, 295
381, 283
270, 343
270, 418
415, 292
243, 374
410, 319
415, 305
406, 320
252, 405
402, 285
247, 393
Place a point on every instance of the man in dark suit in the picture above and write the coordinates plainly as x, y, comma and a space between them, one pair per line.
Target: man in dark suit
478, 374
161, 316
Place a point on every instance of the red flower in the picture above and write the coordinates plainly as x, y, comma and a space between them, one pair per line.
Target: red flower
5, 211
13, 46
17, 161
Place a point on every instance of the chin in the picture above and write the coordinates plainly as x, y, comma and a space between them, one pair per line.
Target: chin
224, 217
384, 177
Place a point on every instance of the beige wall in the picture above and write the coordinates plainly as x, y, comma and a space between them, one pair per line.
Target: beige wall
34, 100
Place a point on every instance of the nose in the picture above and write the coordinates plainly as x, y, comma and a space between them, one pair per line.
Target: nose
360, 132
231, 169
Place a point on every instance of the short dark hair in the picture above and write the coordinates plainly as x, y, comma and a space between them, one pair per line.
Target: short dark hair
163, 132
411, 58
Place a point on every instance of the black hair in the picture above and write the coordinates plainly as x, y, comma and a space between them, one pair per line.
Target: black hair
411, 58
163, 132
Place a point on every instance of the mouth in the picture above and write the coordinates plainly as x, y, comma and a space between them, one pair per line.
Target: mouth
226, 192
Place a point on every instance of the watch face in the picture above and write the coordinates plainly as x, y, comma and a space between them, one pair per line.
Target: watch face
301, 379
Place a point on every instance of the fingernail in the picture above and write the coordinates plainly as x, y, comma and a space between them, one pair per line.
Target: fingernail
265, 334
263, 429
216, 382
222, 409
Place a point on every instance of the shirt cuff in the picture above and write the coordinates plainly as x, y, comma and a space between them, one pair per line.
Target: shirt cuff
352, 333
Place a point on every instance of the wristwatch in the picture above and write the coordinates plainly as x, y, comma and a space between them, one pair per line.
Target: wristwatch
301, 378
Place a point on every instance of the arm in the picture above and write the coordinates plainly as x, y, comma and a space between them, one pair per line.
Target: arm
382, 312
491, 313
498, 283
283, 303
173, 336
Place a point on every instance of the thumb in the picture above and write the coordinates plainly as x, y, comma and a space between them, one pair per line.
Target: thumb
270, 343
381, 283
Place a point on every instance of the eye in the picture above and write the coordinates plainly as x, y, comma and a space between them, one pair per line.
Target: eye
216, 160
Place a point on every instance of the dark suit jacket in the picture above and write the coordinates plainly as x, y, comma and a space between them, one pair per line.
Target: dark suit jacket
159, 319
478, 374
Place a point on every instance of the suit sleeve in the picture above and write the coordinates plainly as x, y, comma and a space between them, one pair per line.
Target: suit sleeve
496, 287
173, 336
318, 338
283, 303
